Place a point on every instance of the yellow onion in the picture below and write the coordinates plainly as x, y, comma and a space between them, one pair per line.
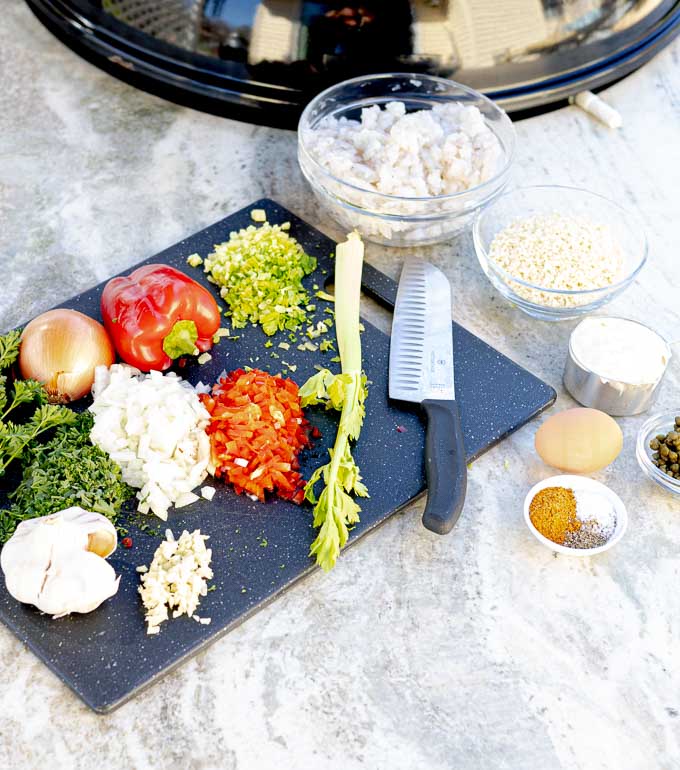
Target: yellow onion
61, 349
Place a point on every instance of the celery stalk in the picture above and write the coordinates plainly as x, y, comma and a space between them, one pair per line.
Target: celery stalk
335, 511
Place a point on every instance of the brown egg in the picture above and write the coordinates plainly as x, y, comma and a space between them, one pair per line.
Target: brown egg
579, 440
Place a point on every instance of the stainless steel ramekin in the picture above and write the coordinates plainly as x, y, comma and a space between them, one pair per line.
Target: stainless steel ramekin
620, 399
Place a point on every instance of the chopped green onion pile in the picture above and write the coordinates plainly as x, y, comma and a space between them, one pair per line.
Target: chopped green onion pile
259, 271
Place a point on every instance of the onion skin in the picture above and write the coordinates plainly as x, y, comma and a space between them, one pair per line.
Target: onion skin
61, 349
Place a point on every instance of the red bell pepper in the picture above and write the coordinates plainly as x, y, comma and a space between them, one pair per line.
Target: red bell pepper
157, 314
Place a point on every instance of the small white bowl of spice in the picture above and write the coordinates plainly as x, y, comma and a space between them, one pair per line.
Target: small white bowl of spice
575, 515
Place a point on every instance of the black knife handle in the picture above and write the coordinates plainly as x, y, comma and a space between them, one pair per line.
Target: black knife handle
445, 466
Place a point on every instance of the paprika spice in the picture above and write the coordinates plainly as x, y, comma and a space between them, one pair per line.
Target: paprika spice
553, 512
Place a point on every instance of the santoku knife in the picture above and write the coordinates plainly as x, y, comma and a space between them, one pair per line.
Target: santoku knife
421, 370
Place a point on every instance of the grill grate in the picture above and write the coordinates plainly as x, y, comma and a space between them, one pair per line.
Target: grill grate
175, 21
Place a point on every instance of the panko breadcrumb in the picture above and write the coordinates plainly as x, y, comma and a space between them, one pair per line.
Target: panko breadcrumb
560, 252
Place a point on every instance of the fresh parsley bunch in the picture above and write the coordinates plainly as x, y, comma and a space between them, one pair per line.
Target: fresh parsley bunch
67, 470
20, 427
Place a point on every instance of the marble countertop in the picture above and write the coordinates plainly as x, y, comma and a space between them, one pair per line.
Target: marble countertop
477, 650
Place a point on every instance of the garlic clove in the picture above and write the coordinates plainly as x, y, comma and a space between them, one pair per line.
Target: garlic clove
32, 545
25, 582
101, 535
77, 584
102, 542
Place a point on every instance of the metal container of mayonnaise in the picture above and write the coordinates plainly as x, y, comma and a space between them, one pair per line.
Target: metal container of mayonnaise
615, 364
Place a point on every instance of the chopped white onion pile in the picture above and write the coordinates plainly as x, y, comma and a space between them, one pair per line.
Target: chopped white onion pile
176, 579
153, 426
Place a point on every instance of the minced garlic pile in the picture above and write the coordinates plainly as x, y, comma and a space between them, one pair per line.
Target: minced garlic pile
176, 579
558, 251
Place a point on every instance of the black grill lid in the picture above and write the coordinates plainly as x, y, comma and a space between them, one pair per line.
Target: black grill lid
262, 60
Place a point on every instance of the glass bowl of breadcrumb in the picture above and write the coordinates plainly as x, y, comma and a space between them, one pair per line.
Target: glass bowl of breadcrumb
558, 253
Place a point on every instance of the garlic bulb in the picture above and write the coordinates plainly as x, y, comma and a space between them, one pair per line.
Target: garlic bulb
57, 562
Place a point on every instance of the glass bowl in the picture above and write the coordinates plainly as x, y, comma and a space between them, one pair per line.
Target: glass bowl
393, 220
654, 426
557, 304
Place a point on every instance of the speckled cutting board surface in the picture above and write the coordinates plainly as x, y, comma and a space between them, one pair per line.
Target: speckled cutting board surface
259, 550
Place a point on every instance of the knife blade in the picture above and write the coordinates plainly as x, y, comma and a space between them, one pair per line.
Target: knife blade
421, 370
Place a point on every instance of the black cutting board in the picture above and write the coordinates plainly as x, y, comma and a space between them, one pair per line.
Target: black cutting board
259, 550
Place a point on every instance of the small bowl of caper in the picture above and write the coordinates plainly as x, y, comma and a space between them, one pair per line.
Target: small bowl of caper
658, 450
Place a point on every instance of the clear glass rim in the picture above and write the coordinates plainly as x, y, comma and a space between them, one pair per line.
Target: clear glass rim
630, 276
643, 457
507, 147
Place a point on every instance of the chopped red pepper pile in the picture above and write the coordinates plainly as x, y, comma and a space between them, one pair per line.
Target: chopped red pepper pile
257, 430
